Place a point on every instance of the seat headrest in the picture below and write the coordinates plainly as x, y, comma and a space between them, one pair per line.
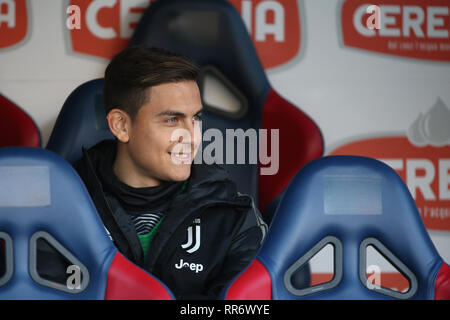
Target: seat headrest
213, 34
349, 201
81, 122
210, 33
36, 185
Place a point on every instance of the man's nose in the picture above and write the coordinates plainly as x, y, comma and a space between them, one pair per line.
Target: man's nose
191, 134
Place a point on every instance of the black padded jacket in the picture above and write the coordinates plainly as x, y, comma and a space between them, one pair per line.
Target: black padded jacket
209, 234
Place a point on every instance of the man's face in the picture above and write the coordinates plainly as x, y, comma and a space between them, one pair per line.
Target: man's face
165, 134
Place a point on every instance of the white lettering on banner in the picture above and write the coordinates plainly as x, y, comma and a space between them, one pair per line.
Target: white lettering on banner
435, 212
127, 17
444, 179
10, 15
357, 18
263, 27
91, 19
433, 21
387, 19
412, 18
423, 182
413, 24
250, 12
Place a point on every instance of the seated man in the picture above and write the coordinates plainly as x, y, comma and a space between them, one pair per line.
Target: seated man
183, 222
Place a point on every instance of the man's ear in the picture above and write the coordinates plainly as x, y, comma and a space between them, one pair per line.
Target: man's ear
119, 123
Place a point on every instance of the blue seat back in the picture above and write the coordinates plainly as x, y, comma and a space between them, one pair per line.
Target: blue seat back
81, 122
41, 196
349, 202
49, 222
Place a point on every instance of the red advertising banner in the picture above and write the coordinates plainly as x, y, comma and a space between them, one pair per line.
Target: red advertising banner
421, 158
274, 27
407, 28
107, 26
13, 22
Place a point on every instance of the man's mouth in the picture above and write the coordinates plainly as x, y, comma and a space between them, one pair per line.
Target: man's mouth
180, 157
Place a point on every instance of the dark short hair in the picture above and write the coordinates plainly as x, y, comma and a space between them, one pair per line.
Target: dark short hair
137, 68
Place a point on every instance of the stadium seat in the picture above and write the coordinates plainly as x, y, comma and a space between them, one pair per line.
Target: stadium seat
81, 122
17, 128
52, 242
351, 203
213, 34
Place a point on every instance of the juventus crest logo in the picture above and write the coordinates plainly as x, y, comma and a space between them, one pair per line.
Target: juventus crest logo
193, 240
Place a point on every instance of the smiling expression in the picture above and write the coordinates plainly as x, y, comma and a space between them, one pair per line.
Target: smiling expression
166, 133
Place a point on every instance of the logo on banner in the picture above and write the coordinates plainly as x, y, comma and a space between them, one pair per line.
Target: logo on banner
421, 158
13, 22
104, 27
407, 28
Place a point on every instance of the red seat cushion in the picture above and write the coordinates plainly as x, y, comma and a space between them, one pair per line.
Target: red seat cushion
128, 282
252, 284
442, 285
18, 129
300, 142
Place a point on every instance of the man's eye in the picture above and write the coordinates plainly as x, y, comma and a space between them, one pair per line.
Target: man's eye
172, 120
197, 117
